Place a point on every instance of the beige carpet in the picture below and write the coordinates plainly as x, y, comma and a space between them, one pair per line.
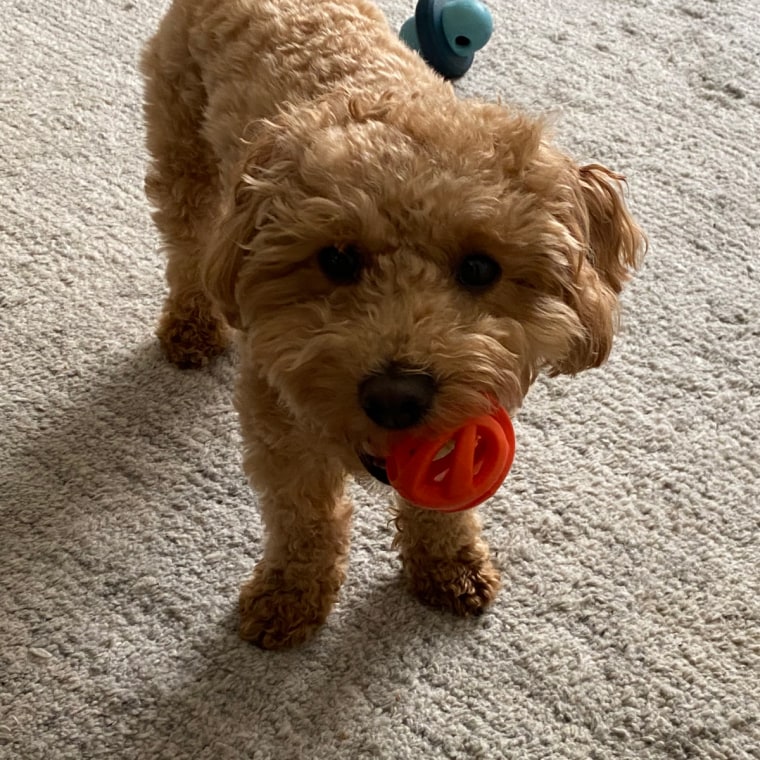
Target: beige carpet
628, 532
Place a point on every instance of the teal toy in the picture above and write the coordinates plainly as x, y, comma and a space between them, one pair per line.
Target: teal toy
448, 33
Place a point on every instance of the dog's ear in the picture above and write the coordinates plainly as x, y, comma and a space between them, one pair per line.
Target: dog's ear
224, 257
244, 204
614, 240
611, 248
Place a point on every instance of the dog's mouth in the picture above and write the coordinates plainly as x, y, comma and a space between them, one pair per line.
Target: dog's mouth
375, 466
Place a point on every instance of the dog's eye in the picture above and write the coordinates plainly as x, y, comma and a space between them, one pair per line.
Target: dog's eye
341, 265
477, 271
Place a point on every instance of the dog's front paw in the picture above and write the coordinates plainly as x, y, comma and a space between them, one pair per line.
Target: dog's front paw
464, 586
274, 615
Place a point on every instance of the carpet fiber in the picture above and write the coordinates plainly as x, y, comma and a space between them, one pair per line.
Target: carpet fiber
628, 531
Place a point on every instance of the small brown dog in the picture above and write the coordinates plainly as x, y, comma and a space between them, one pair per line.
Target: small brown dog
391, 255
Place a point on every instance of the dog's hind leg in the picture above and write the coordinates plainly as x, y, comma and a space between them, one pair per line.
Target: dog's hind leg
182, 185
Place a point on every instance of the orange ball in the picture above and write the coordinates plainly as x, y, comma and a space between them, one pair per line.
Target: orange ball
456, 470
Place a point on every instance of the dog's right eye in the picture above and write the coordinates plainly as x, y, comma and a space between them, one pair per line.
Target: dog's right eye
342, 265
477, 272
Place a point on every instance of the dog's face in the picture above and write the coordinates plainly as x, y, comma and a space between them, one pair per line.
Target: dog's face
392, 266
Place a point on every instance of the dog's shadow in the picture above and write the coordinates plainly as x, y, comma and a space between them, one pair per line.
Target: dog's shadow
116, 430
342, 688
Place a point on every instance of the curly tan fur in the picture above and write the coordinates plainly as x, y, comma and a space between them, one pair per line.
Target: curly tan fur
280, 127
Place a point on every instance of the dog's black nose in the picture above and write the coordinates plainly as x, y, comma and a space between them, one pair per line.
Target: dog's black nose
397, 398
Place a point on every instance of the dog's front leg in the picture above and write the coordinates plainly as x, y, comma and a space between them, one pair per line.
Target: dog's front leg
306, 517
445, 559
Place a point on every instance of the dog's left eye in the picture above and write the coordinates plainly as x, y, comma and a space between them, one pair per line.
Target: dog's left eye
341, 265
477, 271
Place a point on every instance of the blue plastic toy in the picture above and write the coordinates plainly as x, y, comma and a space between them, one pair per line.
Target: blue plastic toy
448, 33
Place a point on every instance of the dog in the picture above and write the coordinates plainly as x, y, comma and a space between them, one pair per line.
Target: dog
390, 257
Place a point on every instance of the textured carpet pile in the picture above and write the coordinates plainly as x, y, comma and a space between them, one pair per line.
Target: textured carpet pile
628, 531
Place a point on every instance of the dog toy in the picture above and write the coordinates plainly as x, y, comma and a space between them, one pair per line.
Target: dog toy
456, 470
448, 33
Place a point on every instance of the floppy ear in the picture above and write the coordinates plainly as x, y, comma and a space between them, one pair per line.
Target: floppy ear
224, 257
246, 199
612, 247
615, 242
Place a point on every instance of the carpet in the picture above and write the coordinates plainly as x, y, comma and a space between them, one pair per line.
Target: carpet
628, 532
